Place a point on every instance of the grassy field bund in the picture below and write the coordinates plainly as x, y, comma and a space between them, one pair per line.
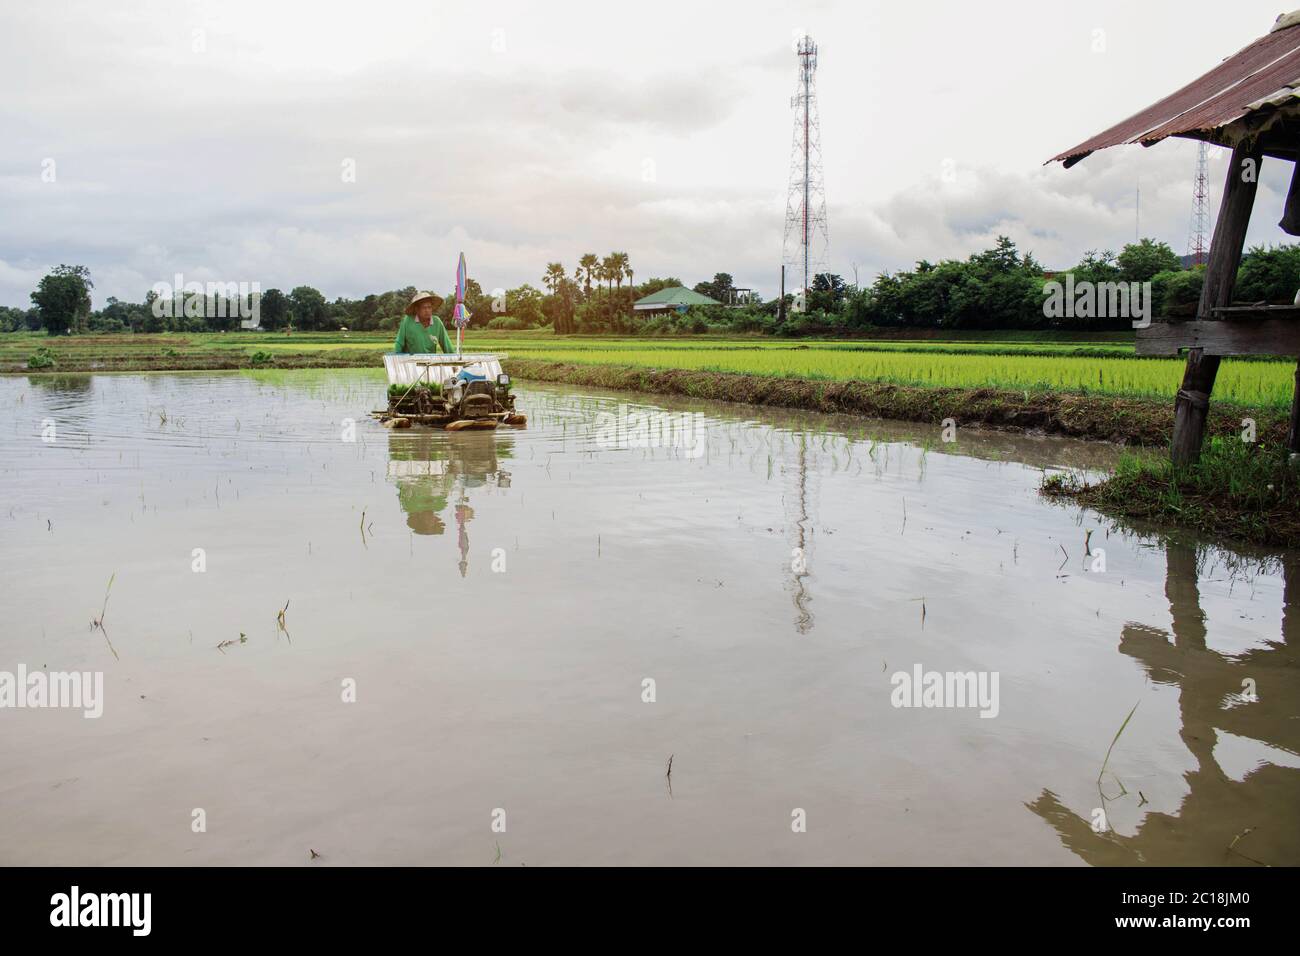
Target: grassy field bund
1090, 386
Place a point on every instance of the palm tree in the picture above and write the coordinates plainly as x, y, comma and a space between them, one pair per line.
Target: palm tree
567, 296
609, 270
631, 299
621, 266
586, 271
554, 276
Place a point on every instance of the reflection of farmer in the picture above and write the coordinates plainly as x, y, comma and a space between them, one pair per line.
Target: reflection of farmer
428, 466
421, 332
419, 466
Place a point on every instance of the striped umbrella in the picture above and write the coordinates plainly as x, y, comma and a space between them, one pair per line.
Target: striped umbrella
461, 314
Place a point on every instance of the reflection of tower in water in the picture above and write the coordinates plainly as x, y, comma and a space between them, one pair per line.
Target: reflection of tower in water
801, 539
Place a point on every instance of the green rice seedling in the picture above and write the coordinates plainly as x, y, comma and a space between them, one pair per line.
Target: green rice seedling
1253, 383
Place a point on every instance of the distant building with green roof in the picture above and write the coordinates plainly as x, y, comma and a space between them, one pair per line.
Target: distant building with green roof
675, 298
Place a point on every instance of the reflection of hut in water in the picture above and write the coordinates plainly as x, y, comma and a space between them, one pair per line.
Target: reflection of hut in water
1221, 820
432, 469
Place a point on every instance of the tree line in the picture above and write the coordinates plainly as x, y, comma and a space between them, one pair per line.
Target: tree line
998, 288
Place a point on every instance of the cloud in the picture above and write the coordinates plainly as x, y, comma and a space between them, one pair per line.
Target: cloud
522, 137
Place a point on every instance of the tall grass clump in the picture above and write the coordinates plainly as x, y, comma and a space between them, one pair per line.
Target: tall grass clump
1238, 489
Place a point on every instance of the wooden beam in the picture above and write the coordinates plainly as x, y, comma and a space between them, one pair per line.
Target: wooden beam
1266, 337
1192, 405
1263, 310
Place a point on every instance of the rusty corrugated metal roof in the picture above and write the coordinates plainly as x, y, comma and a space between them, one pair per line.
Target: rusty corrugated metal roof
1260, 78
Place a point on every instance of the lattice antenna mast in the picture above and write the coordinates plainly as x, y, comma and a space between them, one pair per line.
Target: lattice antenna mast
806, 236
1197, 233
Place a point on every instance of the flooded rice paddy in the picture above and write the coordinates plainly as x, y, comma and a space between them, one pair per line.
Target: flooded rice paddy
409, 647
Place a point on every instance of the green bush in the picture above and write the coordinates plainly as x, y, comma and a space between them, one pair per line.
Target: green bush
721, 318
102, 324
999, 288
752, 320
804, 323
694, 323
507, 323
1269, 275
1142, 261
657, 325
41, 358
1176, 290
261, 358
592, 317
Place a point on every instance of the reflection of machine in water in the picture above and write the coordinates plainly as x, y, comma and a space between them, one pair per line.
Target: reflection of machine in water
433, 469
1221, 820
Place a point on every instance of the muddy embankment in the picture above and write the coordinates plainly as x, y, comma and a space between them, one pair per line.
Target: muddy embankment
212, 361
1133, 421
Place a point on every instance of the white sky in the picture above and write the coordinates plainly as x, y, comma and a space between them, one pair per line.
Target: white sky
520, 132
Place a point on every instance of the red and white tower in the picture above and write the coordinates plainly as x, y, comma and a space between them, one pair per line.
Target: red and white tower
1197, 238
806, 236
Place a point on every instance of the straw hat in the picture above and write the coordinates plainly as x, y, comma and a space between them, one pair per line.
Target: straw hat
420, 297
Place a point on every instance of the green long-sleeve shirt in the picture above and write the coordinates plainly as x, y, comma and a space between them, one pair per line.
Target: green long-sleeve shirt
414, 338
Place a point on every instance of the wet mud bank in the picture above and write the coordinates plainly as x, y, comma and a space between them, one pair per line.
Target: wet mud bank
215, 361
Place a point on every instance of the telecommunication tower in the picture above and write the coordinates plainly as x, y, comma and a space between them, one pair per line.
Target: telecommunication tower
806, 235
1196, 237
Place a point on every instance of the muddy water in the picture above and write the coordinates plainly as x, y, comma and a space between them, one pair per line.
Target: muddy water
496, 604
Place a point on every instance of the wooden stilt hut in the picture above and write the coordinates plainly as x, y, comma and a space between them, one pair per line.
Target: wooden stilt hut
1249, 103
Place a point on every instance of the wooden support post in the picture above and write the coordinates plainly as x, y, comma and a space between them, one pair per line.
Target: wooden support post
1293, 433
1291, 601
1192, 406
1290, 223
1230, 229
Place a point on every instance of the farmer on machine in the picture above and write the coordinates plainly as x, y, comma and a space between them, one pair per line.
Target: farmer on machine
421, 329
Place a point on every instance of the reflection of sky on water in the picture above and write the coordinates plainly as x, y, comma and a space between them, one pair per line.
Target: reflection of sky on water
504, 594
